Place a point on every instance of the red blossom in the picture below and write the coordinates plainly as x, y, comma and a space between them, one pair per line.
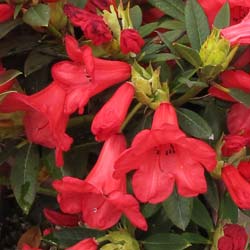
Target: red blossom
235, 238
28, 247
86, 244
131, 41
164, 155
93, 5
111, 116
6, 12
100, 198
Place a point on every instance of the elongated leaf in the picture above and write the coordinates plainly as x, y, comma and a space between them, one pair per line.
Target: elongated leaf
228, 209
196, 24
189, 54
193, 124
24, 176
136, 16
172, 8
179, 209
37, 15
67, 237
148, 28
240, 96
160, 57
166, 241
78, 3
195, 238
222, 19
9, 75
6, 27
201, 216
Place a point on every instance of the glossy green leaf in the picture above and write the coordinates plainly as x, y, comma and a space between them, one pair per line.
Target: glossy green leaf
222, 18
196, 24
189, 54
24, 176
6, 27
9, 75
136, 16
193, 124
201, 216
37, 15
194, 238
78, 3
172, 8
178, 209
240, 96
165, 241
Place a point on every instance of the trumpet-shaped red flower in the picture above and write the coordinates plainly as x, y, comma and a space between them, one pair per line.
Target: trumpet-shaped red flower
6, 86
164, 155
238, 33
238, 9
111, 116
235, 238
86, 244
44, 120
6, 12
131, 41
92, 25
100, 198
237, 181
86, 75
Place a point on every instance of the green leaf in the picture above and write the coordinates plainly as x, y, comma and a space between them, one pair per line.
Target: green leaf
35, 61
172, 8
179, 209
149, 210
191, 83
67, 237
6, 27
240, 96
148, 28
18, 8
23, 176
222, 18
196, 24
160, 57
193, 124
136, 16
196, 238
166, 241
189, 54
9, 75
37, 15
201, 216
78, 3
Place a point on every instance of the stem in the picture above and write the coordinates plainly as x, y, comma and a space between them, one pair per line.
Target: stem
54, 31
188, 95
130, 115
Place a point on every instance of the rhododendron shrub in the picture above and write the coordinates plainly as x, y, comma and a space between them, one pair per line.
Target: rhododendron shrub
125, 125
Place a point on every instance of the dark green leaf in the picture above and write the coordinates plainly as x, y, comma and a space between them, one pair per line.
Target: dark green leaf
191, 83
78, 3
24, 176
67, 237
160, 57
201, 216
18, 8
172, 8
209, 72
222, 19
148, 28
196, 238
228, 209
189, 54
6, 27
136, 16
37, 15
193, 124
9, 75
149, 210
196, 24
179, 209
166, 241
171, 24
240, 96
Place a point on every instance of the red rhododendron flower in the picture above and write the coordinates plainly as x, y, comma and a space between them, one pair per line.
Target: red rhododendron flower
92, 25
6, 12
86, 75
238, 9
93, 5
100, 198
45, 121
164, 155
237, 183
235, 238
6, 86
131, 41
86, 244
111, 116
238, 79
243, 59
239, 33
60, 219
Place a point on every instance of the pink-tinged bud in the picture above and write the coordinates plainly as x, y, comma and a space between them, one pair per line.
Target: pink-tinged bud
111, 116
131, 41
235, 238
6, 12
87, 244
